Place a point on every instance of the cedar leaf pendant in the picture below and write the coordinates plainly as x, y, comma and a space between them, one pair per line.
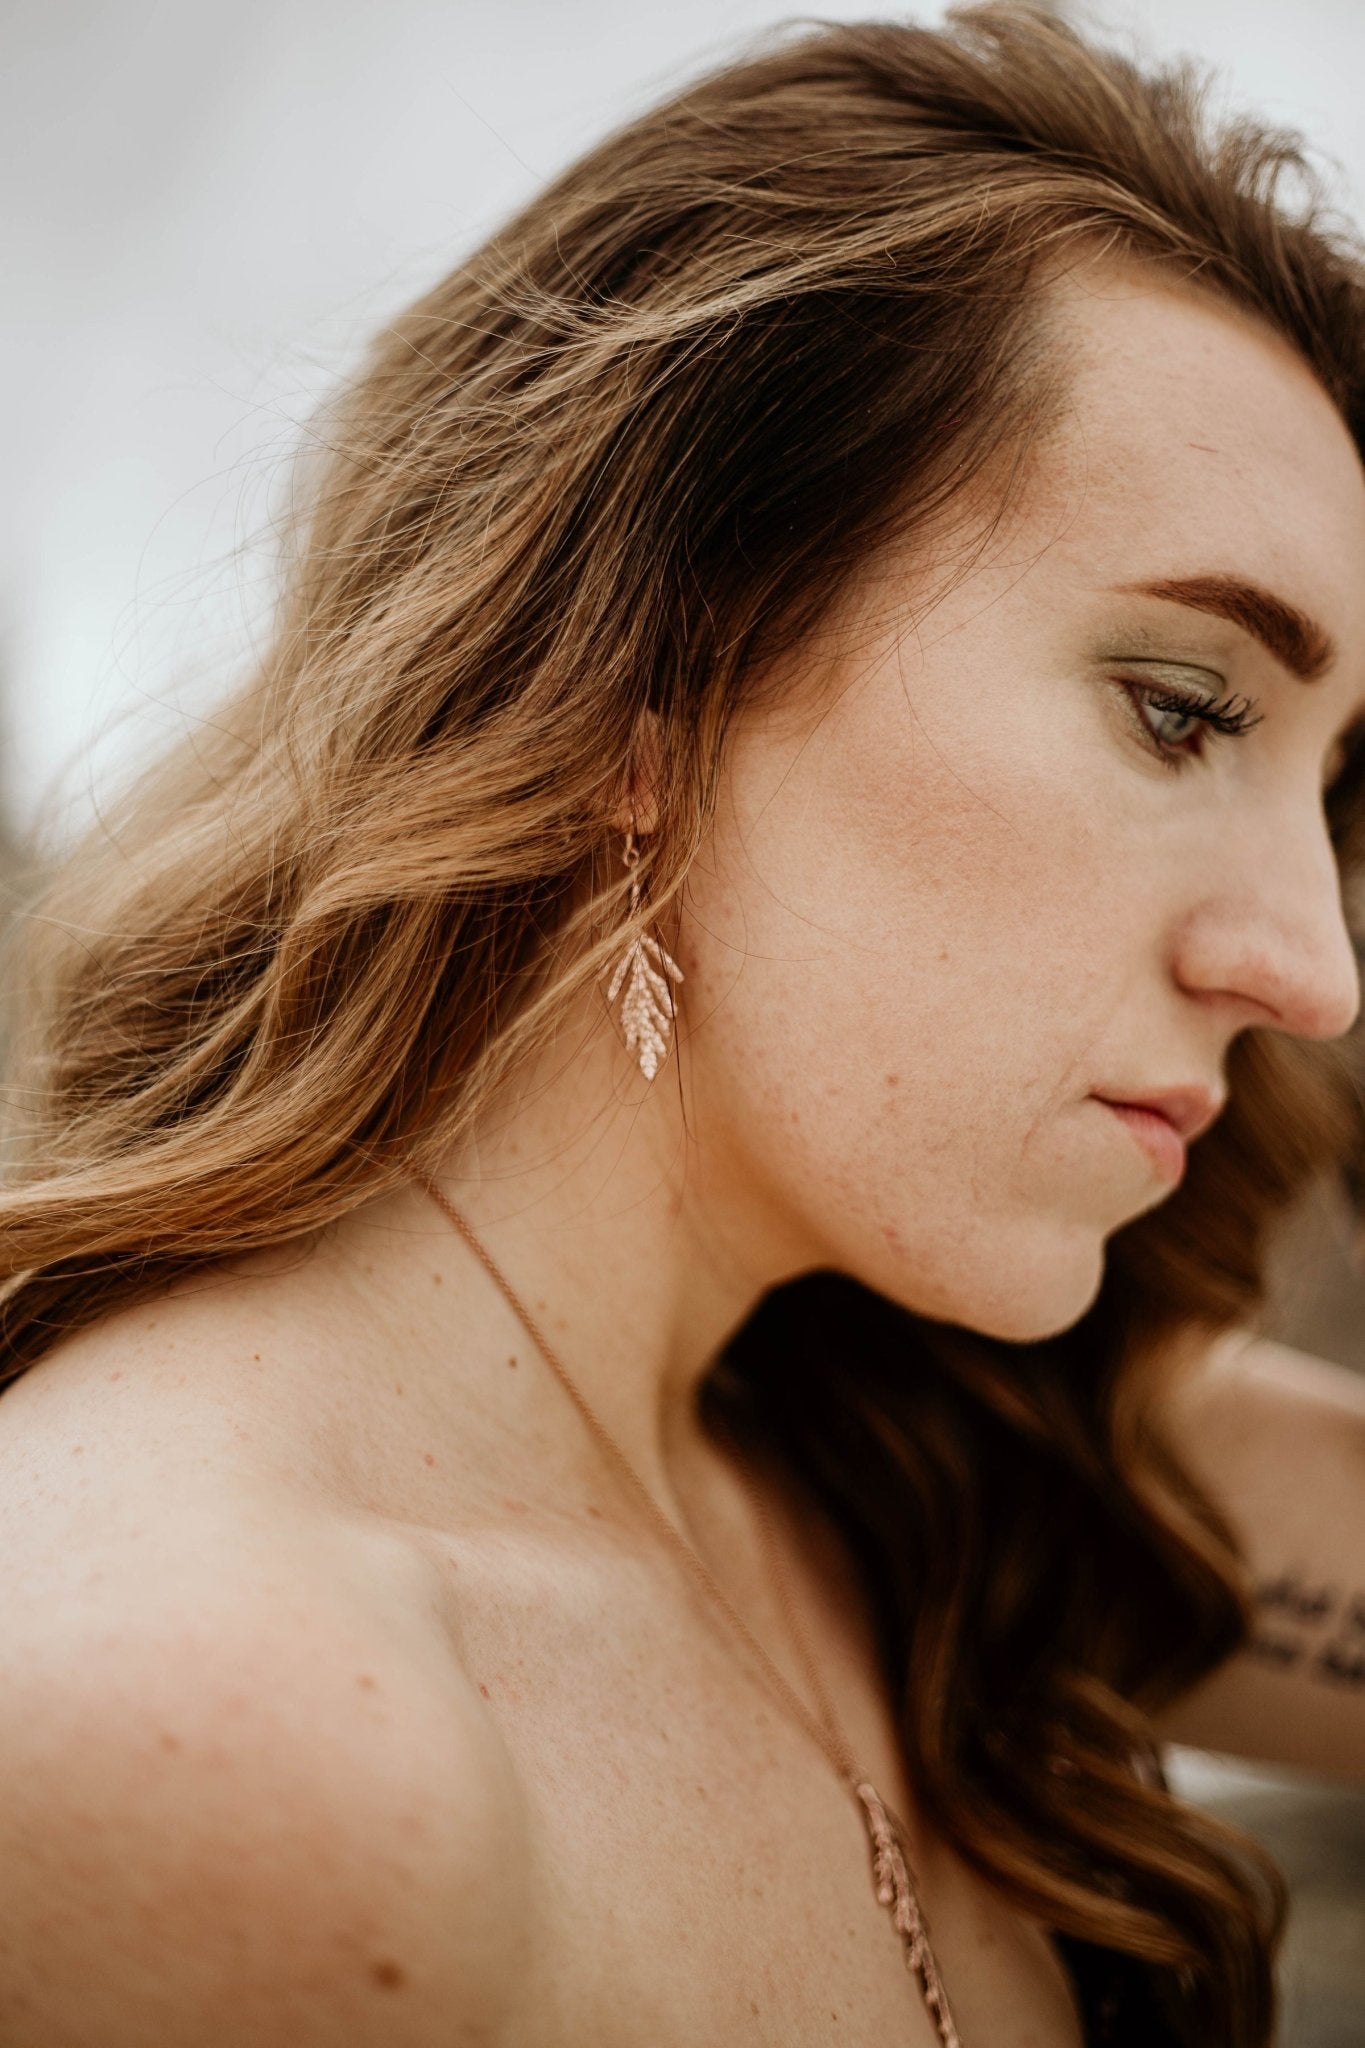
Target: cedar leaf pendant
891, 1876
647, 1010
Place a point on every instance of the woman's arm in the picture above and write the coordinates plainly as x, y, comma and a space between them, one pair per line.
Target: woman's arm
1278, 1438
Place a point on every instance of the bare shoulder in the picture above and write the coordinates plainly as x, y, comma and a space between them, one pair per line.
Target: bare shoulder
230, 1369
246, 1790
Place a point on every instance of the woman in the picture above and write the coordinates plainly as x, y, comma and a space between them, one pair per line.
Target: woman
572, 1143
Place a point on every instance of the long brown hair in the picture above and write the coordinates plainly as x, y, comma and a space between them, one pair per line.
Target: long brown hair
627, 454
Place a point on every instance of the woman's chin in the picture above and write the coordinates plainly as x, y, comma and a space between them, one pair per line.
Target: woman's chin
1033, 1299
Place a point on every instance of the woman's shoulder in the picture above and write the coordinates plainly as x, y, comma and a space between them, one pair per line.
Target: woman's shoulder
256, 1374
232, 1427
217, 1675
197, 1453
155, 1441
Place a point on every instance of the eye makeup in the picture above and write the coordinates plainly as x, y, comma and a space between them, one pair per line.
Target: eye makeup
1162, 682
1227, 717
1157, 688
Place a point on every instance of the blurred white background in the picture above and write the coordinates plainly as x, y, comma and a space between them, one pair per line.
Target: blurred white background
211, 204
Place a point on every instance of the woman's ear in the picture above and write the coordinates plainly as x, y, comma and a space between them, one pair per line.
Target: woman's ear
642, 780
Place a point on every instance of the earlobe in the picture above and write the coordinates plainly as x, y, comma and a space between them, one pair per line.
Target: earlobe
638, 809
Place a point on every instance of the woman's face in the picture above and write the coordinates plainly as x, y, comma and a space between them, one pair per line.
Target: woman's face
972, 879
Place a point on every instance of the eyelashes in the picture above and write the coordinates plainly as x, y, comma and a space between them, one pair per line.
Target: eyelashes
1228, 717
1231, 718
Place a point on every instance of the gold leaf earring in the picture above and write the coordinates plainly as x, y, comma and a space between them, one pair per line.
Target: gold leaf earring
648, 1011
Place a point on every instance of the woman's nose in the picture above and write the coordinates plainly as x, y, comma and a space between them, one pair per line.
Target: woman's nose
1271, 930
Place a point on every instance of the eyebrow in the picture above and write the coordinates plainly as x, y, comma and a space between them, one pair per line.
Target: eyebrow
1297, 641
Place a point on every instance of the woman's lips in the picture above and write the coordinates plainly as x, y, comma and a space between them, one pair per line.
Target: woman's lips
1156, 1134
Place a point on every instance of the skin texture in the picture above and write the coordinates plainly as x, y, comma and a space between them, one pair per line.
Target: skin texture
951, 889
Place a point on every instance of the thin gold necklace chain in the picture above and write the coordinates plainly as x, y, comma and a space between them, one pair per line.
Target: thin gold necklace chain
891, 1870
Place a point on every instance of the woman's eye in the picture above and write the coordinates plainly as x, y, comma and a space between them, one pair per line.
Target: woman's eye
1170, 719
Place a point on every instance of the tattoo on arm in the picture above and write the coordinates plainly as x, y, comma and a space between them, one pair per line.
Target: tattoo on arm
1312, 1627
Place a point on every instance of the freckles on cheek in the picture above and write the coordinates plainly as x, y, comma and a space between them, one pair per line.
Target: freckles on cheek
943, 936
1029, 896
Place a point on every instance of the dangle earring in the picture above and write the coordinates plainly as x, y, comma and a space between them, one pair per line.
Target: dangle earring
647, 1013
